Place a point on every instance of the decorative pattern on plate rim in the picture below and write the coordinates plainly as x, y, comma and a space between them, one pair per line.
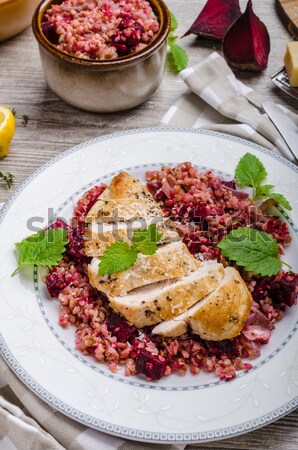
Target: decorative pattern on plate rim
145, 436
108, 427
124, 379
107, 137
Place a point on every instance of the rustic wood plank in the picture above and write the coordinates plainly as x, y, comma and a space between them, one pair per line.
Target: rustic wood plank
55, 126
288, 12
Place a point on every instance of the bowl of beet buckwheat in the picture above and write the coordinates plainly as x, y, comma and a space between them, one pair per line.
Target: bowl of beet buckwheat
102, 56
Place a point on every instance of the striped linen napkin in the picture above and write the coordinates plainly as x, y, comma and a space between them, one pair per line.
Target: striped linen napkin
217, 101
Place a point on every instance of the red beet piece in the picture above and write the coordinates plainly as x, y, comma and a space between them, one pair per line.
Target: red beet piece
215, 19
49, 30
230, 184
246, 45
75, 248
59, 223
228, 347
120, 328
55, 283
284, 289
150, 365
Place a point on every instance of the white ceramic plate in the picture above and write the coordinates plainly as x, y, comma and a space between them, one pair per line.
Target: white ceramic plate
174, 409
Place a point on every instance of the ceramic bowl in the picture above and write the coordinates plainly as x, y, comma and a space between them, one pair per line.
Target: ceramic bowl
105, 86
15, 16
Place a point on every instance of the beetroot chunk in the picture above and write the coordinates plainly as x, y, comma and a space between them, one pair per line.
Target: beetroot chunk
227, 347
281, 289
150, 366
55, 283
284, 289
59, 223
120, 328
230, 184
49, 30
75, 248
215, 19
246, 45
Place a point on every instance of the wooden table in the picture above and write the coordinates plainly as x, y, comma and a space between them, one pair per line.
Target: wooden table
55, 126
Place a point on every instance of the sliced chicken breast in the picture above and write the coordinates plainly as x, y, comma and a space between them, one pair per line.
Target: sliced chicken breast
220, 315
102, 235
172, 328
125, 185
121, 210
166, 299
124, 199
170, 261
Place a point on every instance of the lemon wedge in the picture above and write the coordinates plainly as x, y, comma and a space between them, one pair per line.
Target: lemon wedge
7, 127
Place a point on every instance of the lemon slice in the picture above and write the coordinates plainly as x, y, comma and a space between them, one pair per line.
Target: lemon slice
7, 127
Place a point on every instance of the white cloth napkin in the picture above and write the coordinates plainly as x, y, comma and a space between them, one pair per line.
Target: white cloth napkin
216, 100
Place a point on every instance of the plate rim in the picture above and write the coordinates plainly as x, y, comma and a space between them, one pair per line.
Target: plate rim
102, 426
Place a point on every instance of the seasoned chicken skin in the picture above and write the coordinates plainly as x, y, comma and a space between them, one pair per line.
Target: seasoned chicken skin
101, 235
170, 261
126, 198
166, 299
220, 315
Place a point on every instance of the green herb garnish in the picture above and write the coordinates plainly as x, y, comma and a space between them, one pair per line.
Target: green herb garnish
121, 256
24, 117
177, 54
254, 250
266, 191
251, 172
7, 178
44, 248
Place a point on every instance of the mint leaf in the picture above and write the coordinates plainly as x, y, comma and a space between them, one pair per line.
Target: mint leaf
176, 53
265, 191
250, 171
121, 256
174, 23
179, 56
44, 248
254, 250
145, 241
281, 200
117, 258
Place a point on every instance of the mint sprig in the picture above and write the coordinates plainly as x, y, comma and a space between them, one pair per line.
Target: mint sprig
44, 248
121, 256
117, 257
177, 54
254, 250
251, 172
145, 241
267, 191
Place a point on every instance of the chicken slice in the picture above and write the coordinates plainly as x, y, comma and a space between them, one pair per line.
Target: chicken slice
170, 261
172, 328
125, 185
124, 199
166, 299
220, 315
121, 210
102, 235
